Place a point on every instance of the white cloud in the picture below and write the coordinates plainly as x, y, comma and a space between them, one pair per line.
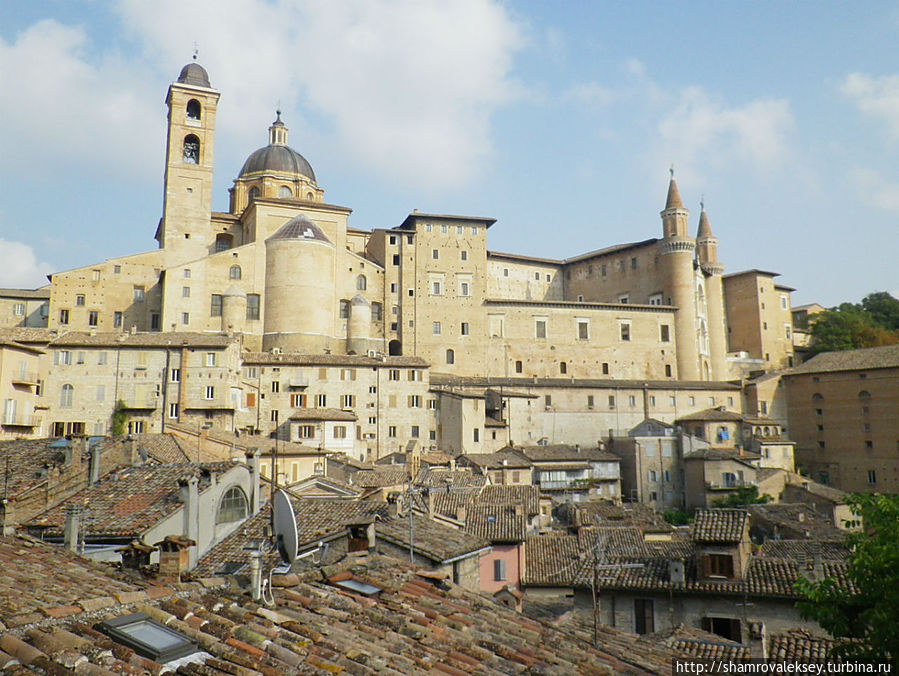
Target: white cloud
20, 268
408, 86
871, 188
875, 96
702, 134
61, 108
591, 94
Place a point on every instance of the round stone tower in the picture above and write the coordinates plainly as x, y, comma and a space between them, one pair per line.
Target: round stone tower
234, 309
707, 255
300, 288
358, 332
676, 249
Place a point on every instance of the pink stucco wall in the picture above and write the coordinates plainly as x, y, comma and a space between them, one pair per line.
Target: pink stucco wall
512, 555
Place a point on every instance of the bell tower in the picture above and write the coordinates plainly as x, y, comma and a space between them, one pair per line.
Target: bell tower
184, 230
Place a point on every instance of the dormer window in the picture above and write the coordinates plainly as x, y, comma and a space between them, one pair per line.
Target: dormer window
719, 565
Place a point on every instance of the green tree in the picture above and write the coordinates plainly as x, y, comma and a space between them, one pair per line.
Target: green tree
677, 517
864, 607
882, 310
119, 418
873, 322
742, 496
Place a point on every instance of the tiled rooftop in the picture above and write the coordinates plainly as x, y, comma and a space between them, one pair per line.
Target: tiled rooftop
566, 453
526, 496
799, 645
551, 559
794, 521
112, 339
499, 460
435, 540
886, 356
303, 359
696, 644
496, 523
40, 582
162, 448
720, 525
381, 477
316, 518
602, 513
129, 501
23, 461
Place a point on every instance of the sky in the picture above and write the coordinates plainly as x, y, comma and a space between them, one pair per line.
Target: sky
559, 119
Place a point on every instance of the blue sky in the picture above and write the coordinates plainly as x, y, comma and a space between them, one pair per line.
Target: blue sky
558, 119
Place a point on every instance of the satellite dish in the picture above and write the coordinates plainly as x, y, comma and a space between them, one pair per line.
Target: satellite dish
285, 527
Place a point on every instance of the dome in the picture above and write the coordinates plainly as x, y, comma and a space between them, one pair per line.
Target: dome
277, 159
194, 74
300, 227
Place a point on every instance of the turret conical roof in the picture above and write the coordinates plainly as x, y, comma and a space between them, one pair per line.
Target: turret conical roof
673, 201
705, 230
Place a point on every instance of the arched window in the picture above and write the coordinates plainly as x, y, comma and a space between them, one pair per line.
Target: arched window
817, 397
284, 191
235, 272
563, 367
361, 283
310, 196
344, 312
864, 394
394, 348
193, 110
254, 193
222, 242
191, 151
450, 357
233, 506
66, 395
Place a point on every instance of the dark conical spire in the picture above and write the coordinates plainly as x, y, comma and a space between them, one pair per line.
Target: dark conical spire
673, 201
705, 230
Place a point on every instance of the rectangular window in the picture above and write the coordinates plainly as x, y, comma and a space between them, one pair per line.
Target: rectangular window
632, 401
348, 374
185, 292
154, 321
215, 308
414, 432
321, 400
185, 318
464, 289
436, 289
63, 316
625, 332
348, 401
464, 255
391, 431
477, 435
210, 359
519, 367
436, 328
19, 309
377, 312
589, 401
252, 306
339, 432
79, 300
414, 401
435, 254
465, 329
665, 333
175, 375
92, 318
276, 386
117, 320
583, 329
186, 273
138, 294
540, 328
393, 374
173, 410
499, 570
392, 239
101, 392
719, 565
644, 616
210, 392
396, 259
274, 416
298, 401
547, 400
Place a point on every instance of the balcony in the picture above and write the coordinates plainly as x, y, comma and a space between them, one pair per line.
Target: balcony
147, 403
729, 485
21, 421
25, 379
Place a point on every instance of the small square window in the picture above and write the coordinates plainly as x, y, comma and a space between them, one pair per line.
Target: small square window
147, 637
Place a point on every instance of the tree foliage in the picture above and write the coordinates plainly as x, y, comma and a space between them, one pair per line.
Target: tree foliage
677, 517
742, 496
119, 418
865, 608
871, 323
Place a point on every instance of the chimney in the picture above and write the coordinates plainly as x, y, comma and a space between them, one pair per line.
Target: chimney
431, 507
190, 498
253, 464
7, 518
676, 573
136, 554
174, 557
518, 510
461, 514
95, 464
72, 533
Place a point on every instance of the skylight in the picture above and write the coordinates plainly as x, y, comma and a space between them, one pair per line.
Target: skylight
147, 638
358, 587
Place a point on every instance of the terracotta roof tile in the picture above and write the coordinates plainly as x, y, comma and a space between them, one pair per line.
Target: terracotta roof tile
720, 525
